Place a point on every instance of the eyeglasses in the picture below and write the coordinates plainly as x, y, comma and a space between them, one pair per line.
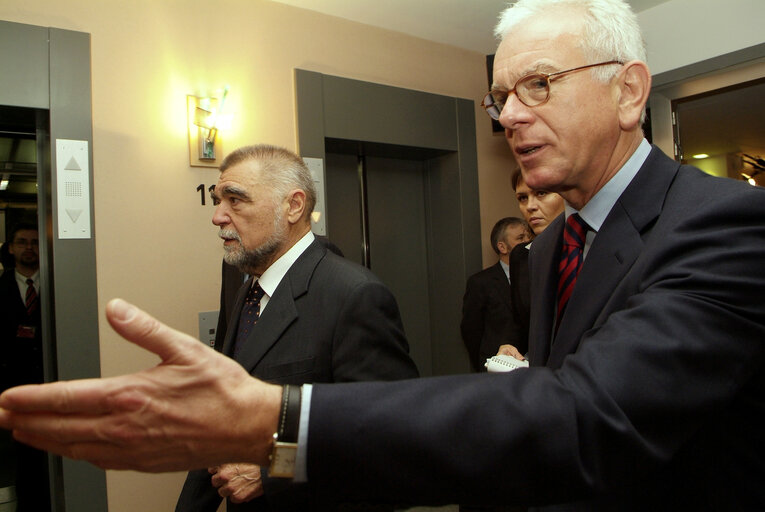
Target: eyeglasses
23, 242
532, 90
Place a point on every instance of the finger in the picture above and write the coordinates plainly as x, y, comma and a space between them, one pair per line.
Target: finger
91, 395
137, 326
103, 455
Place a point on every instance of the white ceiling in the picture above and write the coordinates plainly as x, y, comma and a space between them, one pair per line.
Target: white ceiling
467, 24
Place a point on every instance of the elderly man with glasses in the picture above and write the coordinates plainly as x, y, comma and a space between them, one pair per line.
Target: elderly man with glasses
646, 382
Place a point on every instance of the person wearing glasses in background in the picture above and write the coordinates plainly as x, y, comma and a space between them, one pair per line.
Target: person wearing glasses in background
21, 360
647, 377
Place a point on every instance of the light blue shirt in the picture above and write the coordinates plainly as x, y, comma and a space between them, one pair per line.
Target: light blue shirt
506, 268
596, 210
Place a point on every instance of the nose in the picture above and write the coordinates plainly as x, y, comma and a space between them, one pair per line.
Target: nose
220, 216
532, 204
514, 114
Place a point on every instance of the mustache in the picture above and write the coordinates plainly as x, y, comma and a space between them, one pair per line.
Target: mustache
229, 234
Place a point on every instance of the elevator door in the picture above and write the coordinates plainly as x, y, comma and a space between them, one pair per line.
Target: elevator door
418, 187
396, 221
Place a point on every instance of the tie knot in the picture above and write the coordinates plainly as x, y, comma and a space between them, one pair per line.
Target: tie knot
255, 294
575, 231
30, 282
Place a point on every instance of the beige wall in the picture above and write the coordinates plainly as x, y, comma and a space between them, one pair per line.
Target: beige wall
155, 243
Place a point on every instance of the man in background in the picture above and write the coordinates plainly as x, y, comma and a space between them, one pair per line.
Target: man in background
487, 311
305, 314
21, 356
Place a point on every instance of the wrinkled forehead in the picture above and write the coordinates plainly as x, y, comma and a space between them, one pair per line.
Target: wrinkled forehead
246, 174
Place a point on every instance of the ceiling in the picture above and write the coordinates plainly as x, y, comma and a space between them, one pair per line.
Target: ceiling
467, 24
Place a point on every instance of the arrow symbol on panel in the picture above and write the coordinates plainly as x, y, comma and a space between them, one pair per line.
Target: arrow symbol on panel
72, 165
74, 214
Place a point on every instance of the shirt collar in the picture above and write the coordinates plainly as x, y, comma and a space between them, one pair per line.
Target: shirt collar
274, 274
506, 268
596, 210
22, 279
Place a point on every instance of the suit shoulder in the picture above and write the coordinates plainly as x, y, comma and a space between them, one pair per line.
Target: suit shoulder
484, 274
700, 190
344, 271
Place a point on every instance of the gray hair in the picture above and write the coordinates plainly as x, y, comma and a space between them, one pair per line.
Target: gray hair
280, 169
610, 29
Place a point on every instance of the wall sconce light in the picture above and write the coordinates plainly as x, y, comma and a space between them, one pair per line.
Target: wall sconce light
758, 166
204, 119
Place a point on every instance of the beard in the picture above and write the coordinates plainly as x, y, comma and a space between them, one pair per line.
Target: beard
250, 260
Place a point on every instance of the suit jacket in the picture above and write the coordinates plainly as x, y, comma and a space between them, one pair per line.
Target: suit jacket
487, 315
648, 398
521, 293
20, 357
231, 282
329, 320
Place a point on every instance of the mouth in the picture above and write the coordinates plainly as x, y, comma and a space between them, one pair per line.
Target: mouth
527, 150
228, 237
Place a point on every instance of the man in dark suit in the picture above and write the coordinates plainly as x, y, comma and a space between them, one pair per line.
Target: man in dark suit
646, 388
487, 314
21, 356
322, 318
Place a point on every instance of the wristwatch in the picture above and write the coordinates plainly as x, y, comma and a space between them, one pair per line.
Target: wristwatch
284, 450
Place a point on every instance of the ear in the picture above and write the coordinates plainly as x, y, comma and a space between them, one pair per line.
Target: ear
502, 248
634, 86
295, 205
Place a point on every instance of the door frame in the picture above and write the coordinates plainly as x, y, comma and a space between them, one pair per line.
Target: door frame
51, 71
337, 108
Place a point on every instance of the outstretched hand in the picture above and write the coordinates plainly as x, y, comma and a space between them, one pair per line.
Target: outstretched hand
197, 408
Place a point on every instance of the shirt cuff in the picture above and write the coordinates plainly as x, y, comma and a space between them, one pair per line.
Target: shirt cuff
301, 466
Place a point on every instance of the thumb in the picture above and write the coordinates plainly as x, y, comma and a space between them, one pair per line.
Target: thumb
137, 326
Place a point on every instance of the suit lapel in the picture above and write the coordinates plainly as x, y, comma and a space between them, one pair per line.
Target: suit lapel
233, 324
281, 310
543, 279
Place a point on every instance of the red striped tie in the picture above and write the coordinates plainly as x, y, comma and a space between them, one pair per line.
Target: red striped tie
571, 258
31, 297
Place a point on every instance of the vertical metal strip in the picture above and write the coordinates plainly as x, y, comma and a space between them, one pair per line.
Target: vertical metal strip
366, 259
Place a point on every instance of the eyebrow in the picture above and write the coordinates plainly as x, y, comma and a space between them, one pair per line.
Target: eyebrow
537, 67
231, 190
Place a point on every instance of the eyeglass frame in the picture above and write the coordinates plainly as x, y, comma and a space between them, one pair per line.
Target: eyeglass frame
547, 77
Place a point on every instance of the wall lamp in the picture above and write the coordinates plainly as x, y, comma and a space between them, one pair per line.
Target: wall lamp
758, 166
205, 118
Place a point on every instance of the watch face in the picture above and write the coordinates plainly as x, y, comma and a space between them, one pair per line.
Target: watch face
283, 460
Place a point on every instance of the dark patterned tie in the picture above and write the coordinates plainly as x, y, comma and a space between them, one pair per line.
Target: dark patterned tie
31, 298
571, 258
249, 316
